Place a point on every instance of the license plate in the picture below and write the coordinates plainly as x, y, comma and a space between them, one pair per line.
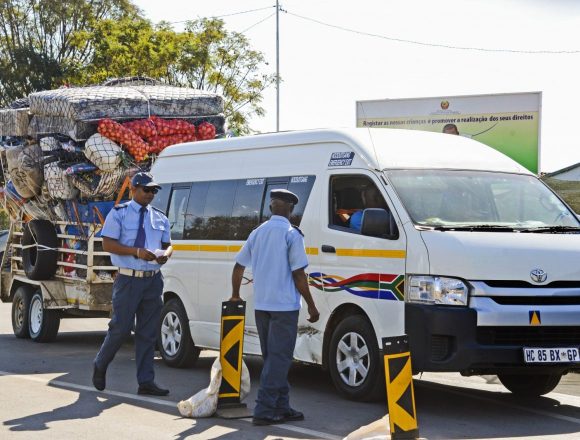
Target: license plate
551, 355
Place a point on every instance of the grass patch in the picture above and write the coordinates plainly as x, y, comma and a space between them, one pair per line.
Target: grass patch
569, 190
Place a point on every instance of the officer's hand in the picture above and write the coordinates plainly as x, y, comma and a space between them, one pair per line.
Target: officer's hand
146, 255
235, 299
162, 259
314, 314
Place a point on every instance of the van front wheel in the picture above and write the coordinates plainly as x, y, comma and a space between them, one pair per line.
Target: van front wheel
530, 385
175, 344
354, 362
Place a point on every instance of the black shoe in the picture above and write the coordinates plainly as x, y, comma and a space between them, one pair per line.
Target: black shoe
293, 416
263, 421
99, 378
152, 389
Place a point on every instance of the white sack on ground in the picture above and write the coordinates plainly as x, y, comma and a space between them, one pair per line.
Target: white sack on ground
204, 403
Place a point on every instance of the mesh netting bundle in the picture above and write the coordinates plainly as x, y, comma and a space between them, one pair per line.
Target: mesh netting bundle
42, 125
58, 184
14, 122
103, 152
25, 169
49, 144
101, 184
85, 103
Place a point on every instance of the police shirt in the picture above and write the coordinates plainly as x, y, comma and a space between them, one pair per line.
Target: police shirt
122, 224
274, 250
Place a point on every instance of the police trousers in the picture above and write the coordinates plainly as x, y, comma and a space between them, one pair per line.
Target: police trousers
277, 332
139, 298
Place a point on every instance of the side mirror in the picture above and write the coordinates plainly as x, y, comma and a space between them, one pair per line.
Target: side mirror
378, 222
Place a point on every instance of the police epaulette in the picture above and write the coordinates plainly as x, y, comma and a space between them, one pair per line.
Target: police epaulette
298, 229
121, 205
157, 209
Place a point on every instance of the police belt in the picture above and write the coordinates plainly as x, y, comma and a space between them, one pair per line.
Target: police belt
138, 273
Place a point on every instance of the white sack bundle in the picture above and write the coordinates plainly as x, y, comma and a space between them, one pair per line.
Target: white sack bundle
25, 169
204, 402
103, 152
59, 185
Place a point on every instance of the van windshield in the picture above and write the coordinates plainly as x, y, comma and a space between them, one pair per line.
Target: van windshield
454, 199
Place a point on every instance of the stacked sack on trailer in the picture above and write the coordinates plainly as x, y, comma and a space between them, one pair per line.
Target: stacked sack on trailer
68, 154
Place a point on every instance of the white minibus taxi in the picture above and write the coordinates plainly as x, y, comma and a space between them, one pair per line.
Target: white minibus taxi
459, 247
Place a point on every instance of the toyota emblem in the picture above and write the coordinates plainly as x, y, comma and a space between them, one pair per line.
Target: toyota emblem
538, 275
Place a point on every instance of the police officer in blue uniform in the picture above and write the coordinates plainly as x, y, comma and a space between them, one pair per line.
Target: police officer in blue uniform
138, 237
275, 251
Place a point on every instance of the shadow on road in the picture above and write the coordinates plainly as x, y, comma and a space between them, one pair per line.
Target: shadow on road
86, 406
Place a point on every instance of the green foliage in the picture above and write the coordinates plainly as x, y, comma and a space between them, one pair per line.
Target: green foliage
4, 219
43, 42
47, 43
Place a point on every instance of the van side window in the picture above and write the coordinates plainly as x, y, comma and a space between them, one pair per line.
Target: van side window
194, 215
177, 208
273, 183
246, 210
349, 196
301, 186
218, 210
162, 197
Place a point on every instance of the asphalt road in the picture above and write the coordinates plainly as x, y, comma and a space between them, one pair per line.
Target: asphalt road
46, 392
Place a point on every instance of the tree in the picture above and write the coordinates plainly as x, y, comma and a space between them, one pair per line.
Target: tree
220, 61
205, 56
44, 42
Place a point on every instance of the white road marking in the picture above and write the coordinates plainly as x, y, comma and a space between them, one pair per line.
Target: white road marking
49, 381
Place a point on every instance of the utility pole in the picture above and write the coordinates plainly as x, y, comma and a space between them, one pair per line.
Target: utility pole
277, 66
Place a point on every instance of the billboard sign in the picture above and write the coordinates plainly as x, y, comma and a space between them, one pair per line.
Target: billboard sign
510, 123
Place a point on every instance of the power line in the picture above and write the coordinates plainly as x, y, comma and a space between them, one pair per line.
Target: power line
257, 23
244, 12
228, 15
422, 43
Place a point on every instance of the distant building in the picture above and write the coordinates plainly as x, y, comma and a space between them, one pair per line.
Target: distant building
569, 173
566, 182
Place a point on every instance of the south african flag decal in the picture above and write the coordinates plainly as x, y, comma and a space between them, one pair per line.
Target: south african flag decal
366, 285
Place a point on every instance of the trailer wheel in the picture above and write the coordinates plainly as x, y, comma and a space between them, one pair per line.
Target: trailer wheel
20, 311
39, 255
530, 385
354, 360
175, 344
43, 324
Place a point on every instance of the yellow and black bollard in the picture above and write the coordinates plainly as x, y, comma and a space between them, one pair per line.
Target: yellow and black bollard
400, 392
231, 349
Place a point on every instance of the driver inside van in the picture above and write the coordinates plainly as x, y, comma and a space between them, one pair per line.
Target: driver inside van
371, 198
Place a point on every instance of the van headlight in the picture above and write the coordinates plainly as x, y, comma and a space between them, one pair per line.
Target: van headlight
437, 290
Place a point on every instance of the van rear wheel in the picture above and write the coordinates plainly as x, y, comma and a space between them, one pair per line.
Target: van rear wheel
354, 360
530, 385
174, 339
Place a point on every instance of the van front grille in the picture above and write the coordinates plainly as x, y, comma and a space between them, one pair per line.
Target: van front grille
529, 336
537, 300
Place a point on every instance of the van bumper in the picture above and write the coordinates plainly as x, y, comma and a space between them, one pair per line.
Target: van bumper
444, 338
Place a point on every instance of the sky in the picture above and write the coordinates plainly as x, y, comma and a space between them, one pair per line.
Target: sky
325, 70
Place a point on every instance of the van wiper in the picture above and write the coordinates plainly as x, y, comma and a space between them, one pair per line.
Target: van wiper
474, 228
553, 229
